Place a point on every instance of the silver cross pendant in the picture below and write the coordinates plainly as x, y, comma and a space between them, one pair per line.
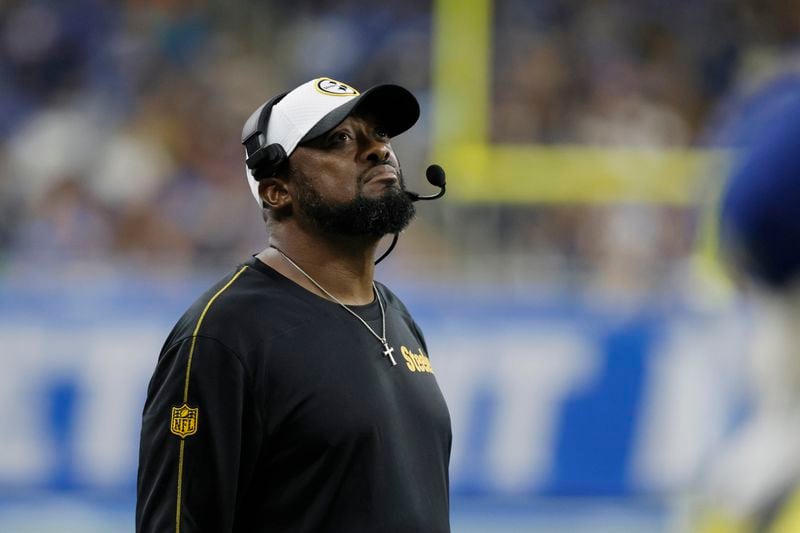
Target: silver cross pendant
388, 352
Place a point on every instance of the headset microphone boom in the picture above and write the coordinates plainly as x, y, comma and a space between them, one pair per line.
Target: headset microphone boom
436, 177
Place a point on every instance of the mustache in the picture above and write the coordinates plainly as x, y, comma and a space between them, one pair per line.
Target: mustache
396, 167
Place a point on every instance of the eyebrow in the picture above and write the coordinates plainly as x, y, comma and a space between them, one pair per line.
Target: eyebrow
319, 142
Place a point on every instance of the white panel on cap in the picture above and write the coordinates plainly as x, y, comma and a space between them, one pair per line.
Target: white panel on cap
294, 116
298, 112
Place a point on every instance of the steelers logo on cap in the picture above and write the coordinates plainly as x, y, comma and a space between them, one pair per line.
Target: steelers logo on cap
334, 88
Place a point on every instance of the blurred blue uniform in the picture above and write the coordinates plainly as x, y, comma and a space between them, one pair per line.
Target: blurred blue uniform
760, 234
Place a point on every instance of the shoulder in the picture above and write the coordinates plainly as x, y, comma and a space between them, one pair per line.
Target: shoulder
394, 302
229, 289
391, 299
247, 305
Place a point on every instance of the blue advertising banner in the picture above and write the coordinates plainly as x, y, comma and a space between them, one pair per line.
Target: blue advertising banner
549, 396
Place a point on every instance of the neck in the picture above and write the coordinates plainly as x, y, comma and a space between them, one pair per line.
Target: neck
344, 267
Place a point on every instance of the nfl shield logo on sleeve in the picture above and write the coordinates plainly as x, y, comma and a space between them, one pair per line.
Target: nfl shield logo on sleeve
184, 420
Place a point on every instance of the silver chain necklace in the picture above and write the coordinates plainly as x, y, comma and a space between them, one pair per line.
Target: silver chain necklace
387, 350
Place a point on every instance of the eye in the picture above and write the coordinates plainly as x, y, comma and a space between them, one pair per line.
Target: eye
381, 133
339, 137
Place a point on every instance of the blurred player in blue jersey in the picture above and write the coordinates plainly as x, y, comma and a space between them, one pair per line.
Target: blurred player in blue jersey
754, 484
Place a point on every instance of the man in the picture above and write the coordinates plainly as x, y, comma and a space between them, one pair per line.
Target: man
297, 394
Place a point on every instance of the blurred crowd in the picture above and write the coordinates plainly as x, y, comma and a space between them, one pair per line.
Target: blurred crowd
120, 120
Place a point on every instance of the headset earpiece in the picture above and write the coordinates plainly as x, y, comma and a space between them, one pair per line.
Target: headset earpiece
262, 159
266, 160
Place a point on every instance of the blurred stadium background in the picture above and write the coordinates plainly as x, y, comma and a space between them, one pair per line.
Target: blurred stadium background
592, 355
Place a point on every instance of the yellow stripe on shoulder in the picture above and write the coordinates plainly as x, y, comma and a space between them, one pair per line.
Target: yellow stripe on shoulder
185, 433
197, 329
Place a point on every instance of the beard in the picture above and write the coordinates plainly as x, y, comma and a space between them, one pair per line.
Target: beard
360, 217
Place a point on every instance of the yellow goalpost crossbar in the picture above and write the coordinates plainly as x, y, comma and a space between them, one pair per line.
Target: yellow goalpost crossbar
462, 61
517, 174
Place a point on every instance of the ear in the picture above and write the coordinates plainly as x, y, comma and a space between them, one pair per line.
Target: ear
274, 193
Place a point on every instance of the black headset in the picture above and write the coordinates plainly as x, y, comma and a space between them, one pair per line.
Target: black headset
263, 159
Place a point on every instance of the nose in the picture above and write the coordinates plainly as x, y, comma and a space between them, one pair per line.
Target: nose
376, 152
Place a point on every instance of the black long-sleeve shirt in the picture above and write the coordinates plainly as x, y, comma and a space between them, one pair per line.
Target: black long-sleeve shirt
272, 409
